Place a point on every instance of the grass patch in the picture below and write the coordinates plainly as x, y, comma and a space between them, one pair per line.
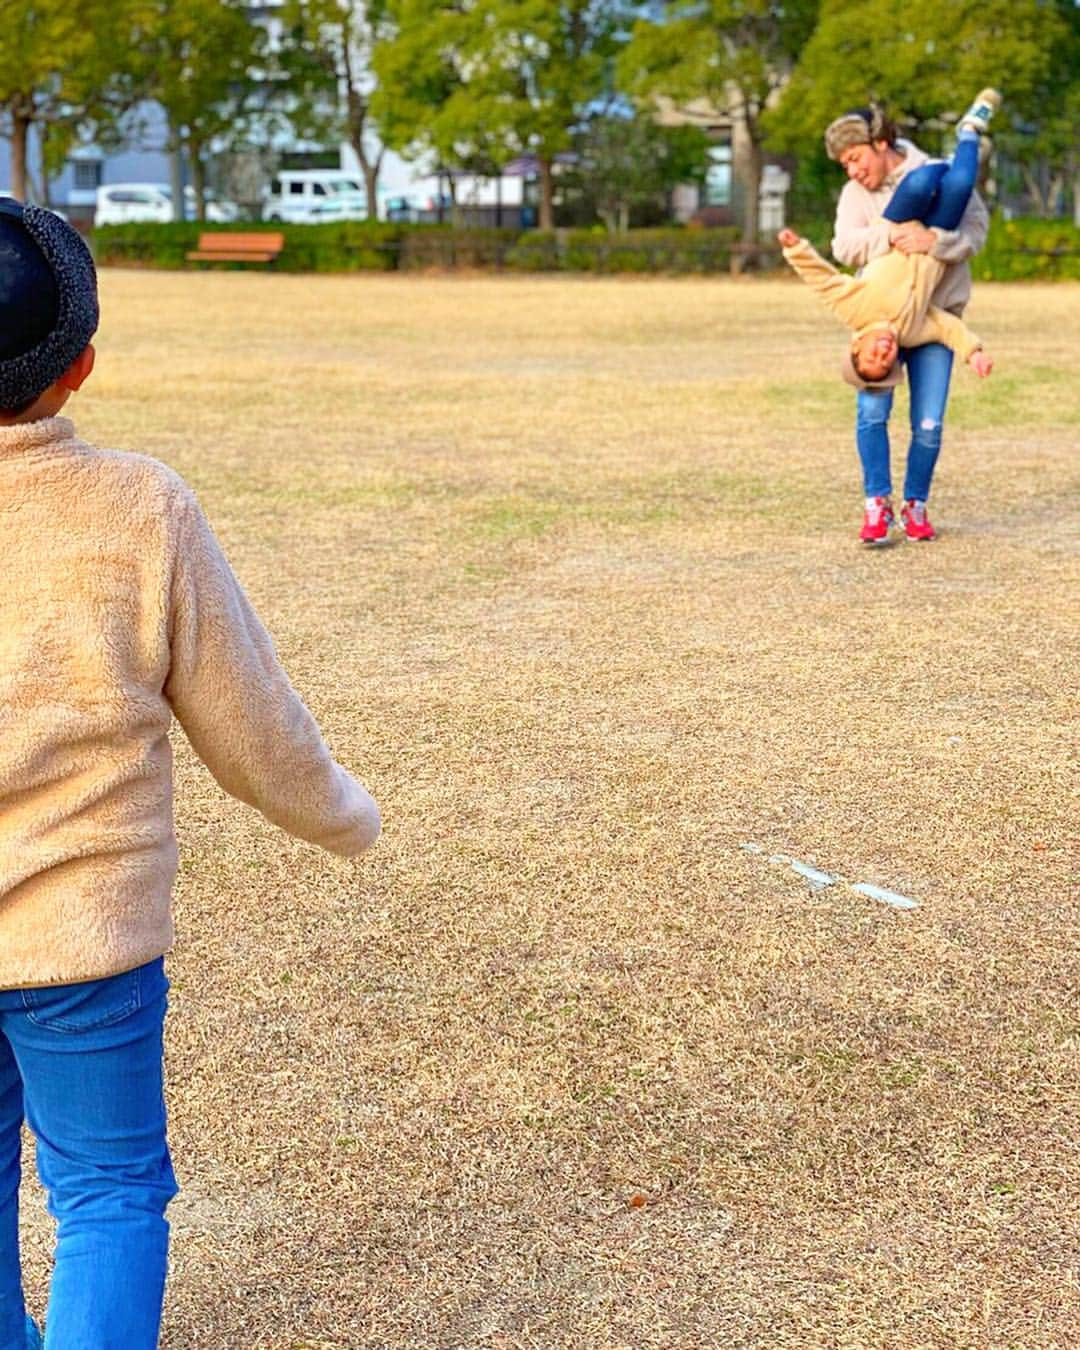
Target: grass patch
559, 1065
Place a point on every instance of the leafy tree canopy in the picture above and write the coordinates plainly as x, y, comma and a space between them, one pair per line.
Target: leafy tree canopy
924, 61
61, 66
478, 84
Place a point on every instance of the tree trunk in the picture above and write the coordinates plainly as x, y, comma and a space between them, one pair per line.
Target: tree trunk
198, 179
45, 196
176, 174
1034, 180
547, 195
20, 134
750, 167
371, 182
357, 109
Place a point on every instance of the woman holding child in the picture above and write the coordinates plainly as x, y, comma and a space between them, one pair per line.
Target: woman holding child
876, 160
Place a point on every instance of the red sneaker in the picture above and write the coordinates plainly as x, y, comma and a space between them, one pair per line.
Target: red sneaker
878, 520
916, 524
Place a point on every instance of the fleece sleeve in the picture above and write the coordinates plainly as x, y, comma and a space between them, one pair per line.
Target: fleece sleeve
238, 709
835, 289
941, 326
969, 236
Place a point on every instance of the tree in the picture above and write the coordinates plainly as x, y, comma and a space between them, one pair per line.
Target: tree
733, 54
631, 162
198, 60
62, 66
1045, 141
479, 84
327, 60
927, 60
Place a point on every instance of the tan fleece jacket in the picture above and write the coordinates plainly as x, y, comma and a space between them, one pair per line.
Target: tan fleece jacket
862, 234
117, 610
892, 291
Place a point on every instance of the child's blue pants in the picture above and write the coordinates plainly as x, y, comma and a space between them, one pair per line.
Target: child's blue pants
83, 1062
938, 193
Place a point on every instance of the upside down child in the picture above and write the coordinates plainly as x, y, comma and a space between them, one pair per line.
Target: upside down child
887, 305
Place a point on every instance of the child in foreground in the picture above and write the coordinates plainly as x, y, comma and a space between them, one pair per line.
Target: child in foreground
118, 611
887, 305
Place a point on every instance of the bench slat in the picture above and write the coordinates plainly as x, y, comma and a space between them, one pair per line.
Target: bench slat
263, 242
230, 257
262, 247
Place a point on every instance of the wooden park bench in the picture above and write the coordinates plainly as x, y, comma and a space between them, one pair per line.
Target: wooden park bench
262, 247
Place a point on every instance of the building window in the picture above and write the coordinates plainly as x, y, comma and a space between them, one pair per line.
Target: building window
87, 174
718, 176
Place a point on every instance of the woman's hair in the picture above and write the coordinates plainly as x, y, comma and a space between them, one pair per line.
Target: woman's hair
859, 126
881, 128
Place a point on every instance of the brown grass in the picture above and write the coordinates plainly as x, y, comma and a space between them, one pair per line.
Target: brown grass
567, 571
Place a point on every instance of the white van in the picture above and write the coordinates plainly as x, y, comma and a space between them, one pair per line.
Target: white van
120, 203
311, 196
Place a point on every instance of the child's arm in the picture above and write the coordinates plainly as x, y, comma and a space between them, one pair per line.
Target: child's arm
832, 286
241, 714
941, 326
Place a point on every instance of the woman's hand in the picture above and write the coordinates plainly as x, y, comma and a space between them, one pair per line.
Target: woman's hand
912, 237
981, 364
788, 238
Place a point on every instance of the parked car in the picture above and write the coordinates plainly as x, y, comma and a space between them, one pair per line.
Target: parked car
120, 203
311, 196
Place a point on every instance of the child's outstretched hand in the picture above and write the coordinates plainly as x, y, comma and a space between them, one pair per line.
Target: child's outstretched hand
981, 364
787, 238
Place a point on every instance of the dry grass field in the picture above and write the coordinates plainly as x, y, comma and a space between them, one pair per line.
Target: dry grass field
568, 572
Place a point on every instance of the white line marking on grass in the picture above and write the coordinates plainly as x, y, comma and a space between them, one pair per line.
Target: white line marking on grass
893, 898
819, 879
814, 875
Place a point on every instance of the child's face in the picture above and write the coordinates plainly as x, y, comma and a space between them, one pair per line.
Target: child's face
875, 354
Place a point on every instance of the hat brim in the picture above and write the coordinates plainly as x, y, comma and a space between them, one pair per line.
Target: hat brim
852, 376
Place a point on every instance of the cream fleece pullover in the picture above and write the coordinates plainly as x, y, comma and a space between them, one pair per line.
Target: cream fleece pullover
862, 234
893, 291
118, 610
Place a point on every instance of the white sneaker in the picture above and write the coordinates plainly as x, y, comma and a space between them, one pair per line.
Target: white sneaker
977, 118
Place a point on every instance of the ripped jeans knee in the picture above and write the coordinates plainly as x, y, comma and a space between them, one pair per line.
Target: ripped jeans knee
927, 432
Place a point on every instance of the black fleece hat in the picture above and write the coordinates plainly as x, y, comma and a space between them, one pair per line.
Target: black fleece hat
48, 300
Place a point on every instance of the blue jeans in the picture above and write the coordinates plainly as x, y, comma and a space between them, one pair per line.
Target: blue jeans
938, 193
929, 369
84, 1062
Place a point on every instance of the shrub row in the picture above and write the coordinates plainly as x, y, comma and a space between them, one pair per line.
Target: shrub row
349, 246
1015, 250
1029, 250
356, 246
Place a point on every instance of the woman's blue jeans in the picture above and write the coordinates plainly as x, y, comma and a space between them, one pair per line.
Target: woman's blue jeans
928, 369
83, 1062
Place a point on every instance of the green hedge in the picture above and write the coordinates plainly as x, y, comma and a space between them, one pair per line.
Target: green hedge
1029, 250
443, 246
1015, 250
348, 246
658, 250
